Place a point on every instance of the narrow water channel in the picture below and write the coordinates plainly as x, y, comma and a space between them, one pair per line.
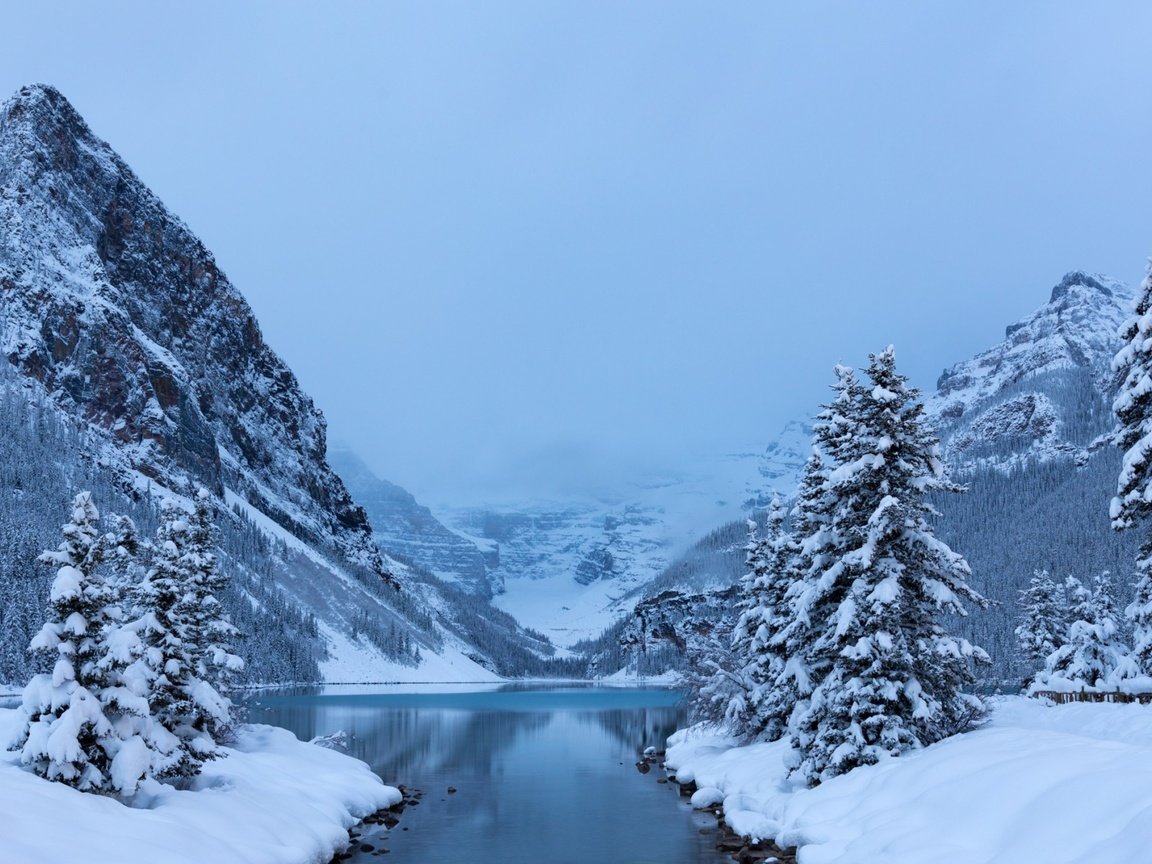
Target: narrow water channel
541, 775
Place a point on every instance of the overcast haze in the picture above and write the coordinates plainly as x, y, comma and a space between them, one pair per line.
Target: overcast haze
525, 243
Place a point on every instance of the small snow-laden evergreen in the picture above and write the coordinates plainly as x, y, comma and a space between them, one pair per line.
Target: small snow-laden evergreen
172, 616
886, 675
83, 726
714, 676
714, 650
764, 613
67, 736
209, 631
1094, 655
1043, 619
1139, 615
1133, 501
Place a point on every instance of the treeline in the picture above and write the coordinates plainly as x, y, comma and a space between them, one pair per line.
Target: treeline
44, 458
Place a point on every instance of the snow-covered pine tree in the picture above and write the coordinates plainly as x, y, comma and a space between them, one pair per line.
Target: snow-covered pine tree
1043, 619
787, 698
209, 631
1133, 501
1093, 652
1094, 648
887, 677
744, 633
149, 749
184, 703
68, 736
765, 613
714, 679
123, 551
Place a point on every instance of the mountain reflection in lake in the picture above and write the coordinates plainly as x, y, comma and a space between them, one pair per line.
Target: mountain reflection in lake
543, 775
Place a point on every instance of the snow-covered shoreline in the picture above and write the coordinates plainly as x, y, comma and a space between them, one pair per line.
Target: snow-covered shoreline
272, 800
1056, 784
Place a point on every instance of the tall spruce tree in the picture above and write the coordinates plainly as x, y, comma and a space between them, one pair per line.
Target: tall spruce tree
787, 698
209, 631
1133, 501
886, 676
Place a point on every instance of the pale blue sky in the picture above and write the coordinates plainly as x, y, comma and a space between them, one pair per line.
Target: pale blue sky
488, 236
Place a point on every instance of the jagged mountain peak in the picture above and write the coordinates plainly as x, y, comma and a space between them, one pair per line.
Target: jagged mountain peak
1044, 390
1076, 329
1087, 281
42, 107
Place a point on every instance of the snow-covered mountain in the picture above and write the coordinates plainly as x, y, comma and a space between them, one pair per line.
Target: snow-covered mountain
1045, 391
784, 458
407, 530
569, 568
120, 323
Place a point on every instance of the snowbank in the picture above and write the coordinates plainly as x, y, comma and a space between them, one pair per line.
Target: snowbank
1071, 783
273, 800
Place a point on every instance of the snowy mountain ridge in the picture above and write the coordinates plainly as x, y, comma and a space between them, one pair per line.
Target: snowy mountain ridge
1042, 393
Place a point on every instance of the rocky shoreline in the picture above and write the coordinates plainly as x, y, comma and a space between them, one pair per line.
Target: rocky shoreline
366, 837
743, 850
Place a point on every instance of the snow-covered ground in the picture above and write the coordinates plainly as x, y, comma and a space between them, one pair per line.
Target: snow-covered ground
1057, 785
354, 663
273, 800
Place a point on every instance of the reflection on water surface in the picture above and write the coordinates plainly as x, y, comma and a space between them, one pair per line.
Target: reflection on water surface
543, 775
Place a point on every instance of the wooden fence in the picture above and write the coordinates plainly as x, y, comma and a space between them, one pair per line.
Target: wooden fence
1061, 698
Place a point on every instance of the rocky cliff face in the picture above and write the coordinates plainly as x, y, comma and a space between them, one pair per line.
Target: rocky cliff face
119, 311
407, 530
1045, 391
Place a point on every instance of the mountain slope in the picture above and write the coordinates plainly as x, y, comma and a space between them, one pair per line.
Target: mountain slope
126, 319
407, 530
1044, 391
120, 325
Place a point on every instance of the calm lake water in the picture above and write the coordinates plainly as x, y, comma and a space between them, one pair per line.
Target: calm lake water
543, 775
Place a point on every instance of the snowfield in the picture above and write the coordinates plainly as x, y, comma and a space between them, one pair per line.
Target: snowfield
273, 800
1062, 784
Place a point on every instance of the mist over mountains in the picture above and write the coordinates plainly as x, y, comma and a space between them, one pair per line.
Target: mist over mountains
136, 369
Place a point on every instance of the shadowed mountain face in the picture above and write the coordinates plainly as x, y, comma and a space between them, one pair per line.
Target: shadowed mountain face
121, 313
407, 530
